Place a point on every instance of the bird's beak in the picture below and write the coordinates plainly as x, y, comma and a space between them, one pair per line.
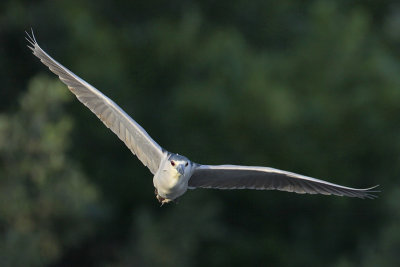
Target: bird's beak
181, 169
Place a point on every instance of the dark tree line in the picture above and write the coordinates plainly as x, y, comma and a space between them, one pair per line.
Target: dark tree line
311, 87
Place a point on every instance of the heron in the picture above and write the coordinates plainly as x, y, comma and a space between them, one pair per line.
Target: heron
174, 174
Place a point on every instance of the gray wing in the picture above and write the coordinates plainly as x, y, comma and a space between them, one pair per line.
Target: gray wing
264, 178
128, 130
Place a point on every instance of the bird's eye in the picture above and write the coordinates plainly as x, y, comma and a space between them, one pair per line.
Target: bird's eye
172, 163
186, 164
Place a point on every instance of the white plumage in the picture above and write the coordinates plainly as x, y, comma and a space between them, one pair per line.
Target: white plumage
173, 173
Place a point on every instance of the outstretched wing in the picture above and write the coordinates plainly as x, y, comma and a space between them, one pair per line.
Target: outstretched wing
128, 130
264, 178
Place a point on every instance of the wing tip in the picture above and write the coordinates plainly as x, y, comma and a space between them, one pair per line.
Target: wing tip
31, 39
368, 192
373, 187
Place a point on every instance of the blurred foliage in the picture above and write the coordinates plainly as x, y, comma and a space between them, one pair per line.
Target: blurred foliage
46, 203
307, 86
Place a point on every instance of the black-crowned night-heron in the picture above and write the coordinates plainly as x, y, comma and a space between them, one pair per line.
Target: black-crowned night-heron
173, 173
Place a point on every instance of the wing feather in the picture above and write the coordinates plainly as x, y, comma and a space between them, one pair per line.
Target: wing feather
264, 178
128, 130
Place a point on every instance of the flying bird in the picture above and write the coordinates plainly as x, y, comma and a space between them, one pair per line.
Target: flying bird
174, 174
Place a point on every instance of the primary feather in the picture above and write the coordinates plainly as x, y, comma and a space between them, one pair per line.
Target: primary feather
264, 178
128, 130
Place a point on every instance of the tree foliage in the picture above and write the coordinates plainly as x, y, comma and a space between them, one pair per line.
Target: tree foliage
311, 87
47, 205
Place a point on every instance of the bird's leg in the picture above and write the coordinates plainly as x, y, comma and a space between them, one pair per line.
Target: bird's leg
161, 199
164, 201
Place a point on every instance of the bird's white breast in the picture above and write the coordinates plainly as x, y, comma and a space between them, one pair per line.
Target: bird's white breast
169, 182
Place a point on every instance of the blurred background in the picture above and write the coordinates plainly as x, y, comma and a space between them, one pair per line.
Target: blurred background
312, 87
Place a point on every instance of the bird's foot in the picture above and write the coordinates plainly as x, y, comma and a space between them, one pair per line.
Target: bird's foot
163, 200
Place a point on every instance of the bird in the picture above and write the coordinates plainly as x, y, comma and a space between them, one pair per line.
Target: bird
174, 174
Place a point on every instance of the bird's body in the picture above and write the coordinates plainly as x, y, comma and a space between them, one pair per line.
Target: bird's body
173, 173
172, 178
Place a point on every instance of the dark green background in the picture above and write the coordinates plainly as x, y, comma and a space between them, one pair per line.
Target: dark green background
311, 87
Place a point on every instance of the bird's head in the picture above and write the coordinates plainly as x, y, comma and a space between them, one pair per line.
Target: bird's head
180, 163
